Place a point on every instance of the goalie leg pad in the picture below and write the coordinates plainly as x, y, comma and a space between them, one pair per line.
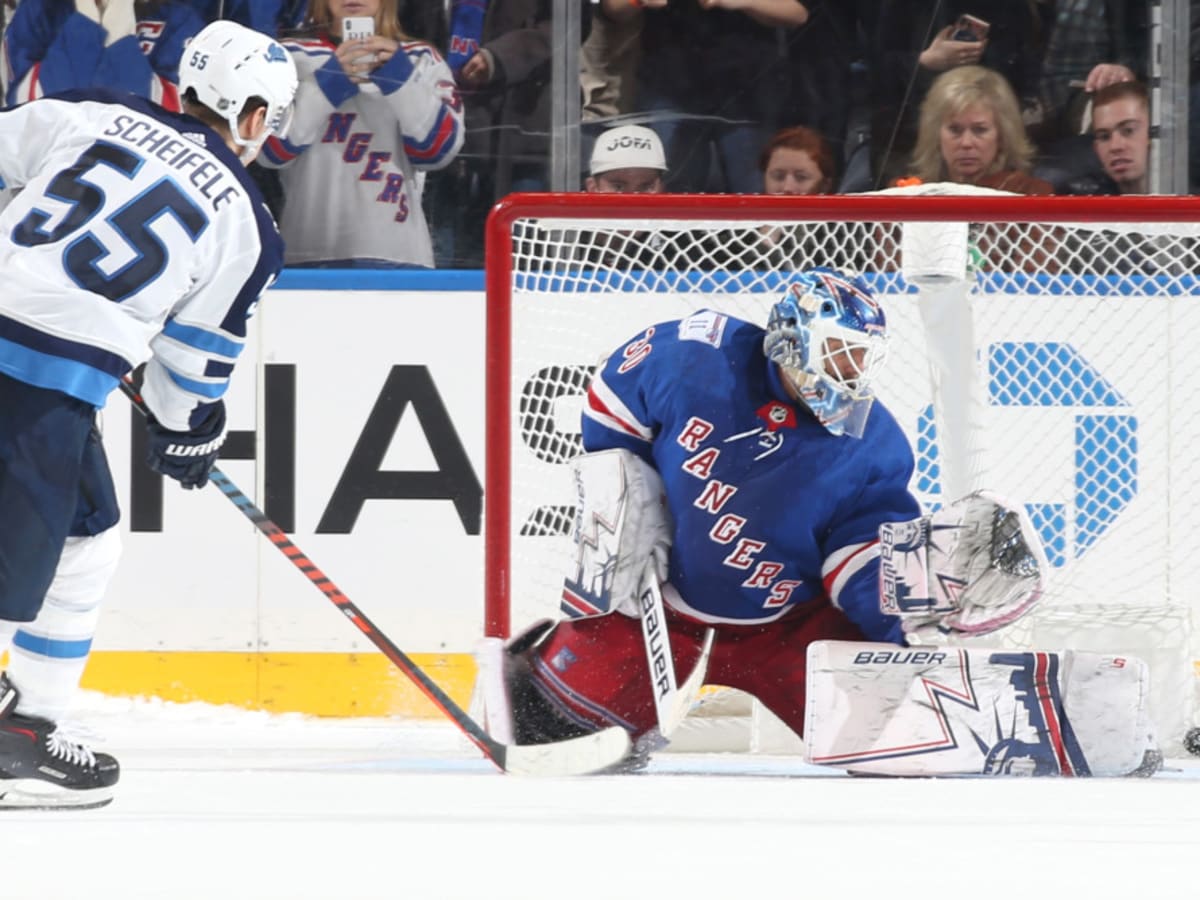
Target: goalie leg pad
887, 710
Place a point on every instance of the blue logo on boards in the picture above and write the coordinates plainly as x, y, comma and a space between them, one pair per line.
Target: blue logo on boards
1054, 374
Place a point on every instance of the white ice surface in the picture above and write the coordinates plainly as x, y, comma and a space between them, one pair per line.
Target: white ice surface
224, 804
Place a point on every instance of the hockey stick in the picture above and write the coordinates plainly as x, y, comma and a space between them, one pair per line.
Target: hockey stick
671, 701
577, 756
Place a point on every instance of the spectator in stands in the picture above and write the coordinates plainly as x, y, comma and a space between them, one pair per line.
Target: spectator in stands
608, 63
273, 17
971, 133
714, 76
370, 114
917, 40
627, 160
1121, 134
501, 53
1091, 44
53, 45
7, 8
1120, 126
796, 160
827, 88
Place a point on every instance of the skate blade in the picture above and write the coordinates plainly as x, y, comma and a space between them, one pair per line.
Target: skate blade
32, 793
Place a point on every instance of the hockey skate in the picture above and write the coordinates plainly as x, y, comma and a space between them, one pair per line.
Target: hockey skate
42, 768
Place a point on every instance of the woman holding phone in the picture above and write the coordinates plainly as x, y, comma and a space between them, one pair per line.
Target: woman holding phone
375, 108
917, 40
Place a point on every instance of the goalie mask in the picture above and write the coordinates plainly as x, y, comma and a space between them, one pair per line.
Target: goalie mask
829, 337
227, 64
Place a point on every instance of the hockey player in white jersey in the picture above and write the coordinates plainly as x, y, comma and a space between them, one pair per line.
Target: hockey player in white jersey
136, 237
372, 114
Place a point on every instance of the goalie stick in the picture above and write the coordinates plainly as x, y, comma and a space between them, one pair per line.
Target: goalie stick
672, 701
577, 756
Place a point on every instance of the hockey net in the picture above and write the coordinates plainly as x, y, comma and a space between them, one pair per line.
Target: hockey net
1041, 347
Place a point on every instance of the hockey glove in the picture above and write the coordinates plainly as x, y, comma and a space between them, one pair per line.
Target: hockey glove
969, 568
186, 456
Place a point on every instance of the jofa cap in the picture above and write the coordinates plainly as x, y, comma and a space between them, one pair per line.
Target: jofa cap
627, 147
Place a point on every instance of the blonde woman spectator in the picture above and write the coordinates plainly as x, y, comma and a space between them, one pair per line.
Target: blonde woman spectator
796, 161
971, 132
371, 113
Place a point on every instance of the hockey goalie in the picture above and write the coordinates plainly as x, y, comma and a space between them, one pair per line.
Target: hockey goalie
743, 518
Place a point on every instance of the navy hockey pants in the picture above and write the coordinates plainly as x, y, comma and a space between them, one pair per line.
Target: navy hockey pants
54, 482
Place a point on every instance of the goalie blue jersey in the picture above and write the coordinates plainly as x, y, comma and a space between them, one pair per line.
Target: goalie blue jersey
137, 235
770, 510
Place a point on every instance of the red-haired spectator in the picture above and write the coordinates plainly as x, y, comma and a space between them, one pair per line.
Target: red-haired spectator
797, 160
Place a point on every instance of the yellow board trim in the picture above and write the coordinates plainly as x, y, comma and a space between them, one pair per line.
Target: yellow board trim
318, 684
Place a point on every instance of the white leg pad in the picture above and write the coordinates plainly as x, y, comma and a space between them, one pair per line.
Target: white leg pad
49, 654
888, 710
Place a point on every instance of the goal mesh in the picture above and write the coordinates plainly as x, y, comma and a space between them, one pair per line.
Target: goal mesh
1040, 347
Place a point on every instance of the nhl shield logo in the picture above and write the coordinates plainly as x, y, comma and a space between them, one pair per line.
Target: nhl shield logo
777, 415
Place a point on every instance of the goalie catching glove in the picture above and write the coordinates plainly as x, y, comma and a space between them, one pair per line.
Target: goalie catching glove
968, 569
187, 456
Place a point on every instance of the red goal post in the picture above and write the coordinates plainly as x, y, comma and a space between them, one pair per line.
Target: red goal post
1042, 347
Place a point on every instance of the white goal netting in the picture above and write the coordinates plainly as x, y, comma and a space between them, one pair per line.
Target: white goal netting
1041, 347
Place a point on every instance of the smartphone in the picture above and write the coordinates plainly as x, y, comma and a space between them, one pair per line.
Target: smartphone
357, 27
970, 28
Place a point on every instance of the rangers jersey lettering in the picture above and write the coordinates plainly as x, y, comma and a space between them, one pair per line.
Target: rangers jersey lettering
770, 510
350, 163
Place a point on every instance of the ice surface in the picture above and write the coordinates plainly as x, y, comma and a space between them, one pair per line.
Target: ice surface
225, 804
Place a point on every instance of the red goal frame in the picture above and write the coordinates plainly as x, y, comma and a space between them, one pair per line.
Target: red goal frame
734, 208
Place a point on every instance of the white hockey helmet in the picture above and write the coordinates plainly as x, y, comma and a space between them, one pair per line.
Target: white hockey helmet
226, 64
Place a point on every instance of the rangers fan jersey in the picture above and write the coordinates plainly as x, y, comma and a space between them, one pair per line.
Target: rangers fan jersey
351, 158
770, 510
136, 232
50, 48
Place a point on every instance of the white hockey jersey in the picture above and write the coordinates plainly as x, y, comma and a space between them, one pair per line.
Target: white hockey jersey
350, 161
136, 235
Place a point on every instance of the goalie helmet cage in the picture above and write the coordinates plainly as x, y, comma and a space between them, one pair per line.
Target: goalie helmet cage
1041, 347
